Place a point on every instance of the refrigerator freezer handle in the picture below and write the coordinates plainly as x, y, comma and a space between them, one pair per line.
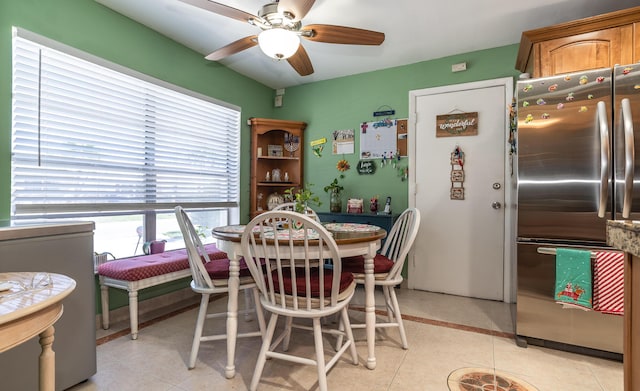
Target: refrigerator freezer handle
604, 158
629, 157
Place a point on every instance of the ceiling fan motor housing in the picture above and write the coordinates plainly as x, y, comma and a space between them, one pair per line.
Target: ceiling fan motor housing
273, 18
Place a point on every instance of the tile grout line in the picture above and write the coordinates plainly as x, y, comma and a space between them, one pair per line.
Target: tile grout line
412, 318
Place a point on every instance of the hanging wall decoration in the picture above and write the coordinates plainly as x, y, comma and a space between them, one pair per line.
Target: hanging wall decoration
366, 167
457, 174
343, 141
403, 173
317, 146
458, 124
343, 165
402, 132
378, 139
384, 139
513, 127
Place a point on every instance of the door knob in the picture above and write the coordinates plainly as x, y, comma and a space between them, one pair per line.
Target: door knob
496, 205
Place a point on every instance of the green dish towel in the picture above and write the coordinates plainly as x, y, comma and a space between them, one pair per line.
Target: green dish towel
573, 278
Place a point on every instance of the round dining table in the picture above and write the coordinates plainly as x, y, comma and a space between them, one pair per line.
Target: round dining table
30, 303
352, 240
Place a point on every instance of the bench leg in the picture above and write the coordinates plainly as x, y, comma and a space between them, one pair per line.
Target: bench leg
133, 313
104, 298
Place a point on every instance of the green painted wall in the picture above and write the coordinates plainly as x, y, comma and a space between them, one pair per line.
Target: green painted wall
326, 106
341, 103
95, 29
346, 102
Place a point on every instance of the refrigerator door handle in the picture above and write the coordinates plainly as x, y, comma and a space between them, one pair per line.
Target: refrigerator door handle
629, 157
604, 157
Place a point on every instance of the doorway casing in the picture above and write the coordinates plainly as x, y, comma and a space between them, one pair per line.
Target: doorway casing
510, 169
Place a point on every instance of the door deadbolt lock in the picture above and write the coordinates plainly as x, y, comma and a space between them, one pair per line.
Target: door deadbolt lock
496, 205
496, 186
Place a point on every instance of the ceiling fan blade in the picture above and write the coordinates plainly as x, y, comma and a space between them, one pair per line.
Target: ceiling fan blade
233, 48
301, 62
222, 9
298, 8
340, 34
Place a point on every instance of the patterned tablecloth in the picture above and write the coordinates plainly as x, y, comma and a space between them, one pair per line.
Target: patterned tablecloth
351, 227
298, 234
295, 234
237, 229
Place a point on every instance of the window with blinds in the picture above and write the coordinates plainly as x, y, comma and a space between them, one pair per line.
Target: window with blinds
90, 139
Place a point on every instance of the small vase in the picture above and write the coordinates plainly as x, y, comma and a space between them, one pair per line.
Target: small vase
335, 202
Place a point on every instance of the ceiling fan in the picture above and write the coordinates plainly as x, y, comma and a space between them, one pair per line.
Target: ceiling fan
281, 24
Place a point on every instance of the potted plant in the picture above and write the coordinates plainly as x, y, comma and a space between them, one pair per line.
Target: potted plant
335, 201
302, 197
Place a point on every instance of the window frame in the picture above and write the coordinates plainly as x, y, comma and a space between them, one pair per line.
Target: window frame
66, 210
149, 210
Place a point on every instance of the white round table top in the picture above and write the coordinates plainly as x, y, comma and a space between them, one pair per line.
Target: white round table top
23, 293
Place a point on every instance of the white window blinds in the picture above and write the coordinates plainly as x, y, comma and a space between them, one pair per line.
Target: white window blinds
87, 138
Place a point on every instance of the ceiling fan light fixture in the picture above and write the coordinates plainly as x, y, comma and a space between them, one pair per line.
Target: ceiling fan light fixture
279, 43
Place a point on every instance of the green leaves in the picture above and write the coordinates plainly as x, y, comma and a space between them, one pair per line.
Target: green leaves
334, 187
302, 197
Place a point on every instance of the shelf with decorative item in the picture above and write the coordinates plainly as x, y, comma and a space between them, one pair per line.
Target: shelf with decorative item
279, 157
277, 184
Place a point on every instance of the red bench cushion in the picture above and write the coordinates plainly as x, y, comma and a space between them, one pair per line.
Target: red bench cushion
147, 266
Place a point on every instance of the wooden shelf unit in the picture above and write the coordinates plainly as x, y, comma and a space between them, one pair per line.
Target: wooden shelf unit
265, 132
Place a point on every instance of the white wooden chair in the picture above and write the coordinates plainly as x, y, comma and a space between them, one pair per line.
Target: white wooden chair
291, 206
211, 277
388, 265
294, 283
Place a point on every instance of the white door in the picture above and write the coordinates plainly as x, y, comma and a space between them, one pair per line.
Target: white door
460, 248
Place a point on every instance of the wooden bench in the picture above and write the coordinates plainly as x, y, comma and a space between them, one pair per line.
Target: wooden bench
133, 274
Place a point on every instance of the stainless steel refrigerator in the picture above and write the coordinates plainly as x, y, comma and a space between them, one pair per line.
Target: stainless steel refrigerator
576, 169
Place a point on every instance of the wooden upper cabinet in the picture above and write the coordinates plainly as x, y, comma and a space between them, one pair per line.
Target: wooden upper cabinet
599, 49
597, 42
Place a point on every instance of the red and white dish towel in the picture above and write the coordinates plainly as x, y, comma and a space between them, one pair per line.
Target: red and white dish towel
608, 282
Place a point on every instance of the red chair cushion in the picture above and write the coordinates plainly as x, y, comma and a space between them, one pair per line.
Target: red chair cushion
381, 264
218, 269
147, 266
346, 279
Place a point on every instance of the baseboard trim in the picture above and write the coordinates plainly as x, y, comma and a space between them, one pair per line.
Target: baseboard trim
151, 308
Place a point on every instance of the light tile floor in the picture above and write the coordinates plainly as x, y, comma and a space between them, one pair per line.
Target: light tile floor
445, 333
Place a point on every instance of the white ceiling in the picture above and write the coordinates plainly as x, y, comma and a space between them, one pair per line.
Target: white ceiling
416, 30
